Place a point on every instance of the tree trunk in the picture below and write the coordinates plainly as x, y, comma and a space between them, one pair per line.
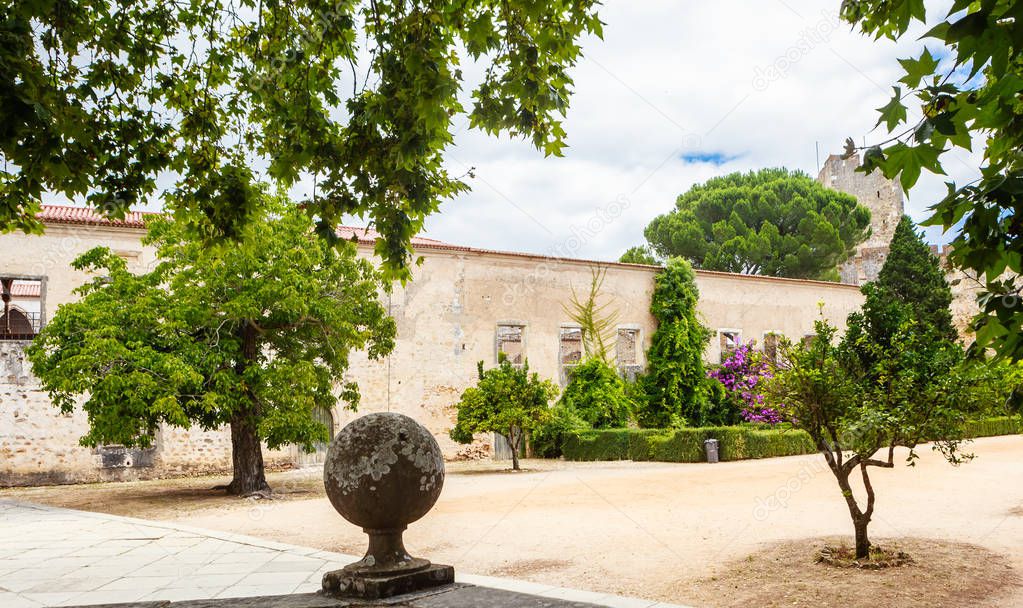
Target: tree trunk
247, 457
246, 449
862, 542
513, 442
860, 518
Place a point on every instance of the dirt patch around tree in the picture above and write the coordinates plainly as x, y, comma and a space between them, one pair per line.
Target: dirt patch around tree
941, 574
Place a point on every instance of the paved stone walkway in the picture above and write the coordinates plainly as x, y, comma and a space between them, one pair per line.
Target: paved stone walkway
59, 557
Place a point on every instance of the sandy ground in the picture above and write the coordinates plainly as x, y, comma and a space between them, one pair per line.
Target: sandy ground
661, 531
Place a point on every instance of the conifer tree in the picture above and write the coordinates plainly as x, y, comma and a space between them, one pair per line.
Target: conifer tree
912, 275
673, 387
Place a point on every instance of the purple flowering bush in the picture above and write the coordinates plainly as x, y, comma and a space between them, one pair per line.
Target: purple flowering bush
744, 373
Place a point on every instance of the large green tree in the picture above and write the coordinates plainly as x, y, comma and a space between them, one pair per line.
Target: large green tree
772, 222
673, 391
912, 275
254, 334
965, 87
640, 254
101, 98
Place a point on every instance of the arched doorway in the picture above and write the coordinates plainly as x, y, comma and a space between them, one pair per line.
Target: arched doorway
16, 324
325, 417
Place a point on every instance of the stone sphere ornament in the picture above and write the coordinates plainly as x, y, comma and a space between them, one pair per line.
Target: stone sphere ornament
384, 471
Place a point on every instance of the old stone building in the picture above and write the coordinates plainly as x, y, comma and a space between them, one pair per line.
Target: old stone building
886, 201
463, 306
883, 197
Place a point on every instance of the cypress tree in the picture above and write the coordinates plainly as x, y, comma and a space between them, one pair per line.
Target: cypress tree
673, 386
912, 275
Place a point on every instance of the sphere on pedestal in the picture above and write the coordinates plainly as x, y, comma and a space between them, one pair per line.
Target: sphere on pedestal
384, 471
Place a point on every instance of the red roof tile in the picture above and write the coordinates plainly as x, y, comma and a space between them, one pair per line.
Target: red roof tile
84, 216
60, 214
25, 290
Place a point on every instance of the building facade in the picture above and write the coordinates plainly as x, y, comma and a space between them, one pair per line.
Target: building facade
463, 305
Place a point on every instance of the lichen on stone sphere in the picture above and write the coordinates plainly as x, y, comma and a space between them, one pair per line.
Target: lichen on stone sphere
383, 471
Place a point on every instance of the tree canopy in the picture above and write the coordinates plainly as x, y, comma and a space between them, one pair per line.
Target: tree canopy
772, 222
964, 86
896, 379
108, 101
639, 254
254, 334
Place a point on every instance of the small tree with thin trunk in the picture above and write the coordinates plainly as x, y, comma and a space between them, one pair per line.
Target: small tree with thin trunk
253, 334
507, 400
858, 409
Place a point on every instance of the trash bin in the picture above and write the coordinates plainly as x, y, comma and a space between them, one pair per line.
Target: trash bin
711, 445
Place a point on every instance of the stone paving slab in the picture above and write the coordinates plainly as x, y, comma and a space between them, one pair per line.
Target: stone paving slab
60, 557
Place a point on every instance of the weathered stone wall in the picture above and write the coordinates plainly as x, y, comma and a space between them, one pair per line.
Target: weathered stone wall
447, 319
881, 195
448, 316
885, 200
39, 444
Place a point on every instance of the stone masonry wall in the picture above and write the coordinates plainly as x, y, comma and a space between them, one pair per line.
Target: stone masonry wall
883, 197
447, 316
39, 444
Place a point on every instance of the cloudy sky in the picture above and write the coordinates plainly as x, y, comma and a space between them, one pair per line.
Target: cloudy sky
678, 92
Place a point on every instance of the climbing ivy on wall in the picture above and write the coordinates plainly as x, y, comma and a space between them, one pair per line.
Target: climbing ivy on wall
674, 385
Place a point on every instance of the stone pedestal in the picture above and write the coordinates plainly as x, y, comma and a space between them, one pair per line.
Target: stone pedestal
375, 587
384, 471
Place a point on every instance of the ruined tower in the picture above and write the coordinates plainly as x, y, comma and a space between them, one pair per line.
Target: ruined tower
875, 192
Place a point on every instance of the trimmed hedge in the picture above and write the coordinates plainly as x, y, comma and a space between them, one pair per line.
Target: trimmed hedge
991, 427
735, 442
684, 445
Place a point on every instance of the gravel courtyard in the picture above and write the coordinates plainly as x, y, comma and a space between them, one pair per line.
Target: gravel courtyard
659, 531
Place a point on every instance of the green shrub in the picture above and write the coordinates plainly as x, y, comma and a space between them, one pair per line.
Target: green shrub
771, 444
640, 441
681, 445
684, 445
547, 440
674, 383
597, 395
735, 442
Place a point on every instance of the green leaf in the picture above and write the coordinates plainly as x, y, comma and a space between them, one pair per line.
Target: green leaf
894, 112
918, 69
908, 161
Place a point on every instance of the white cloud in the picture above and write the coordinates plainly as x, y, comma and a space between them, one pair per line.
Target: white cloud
674, 79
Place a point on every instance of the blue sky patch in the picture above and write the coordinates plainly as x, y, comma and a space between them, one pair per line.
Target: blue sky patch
714, 158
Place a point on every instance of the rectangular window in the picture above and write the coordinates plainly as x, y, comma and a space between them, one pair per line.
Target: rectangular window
21, 316
808, 340
729, 341
627, 347
510, 341
570, 350
571, 345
